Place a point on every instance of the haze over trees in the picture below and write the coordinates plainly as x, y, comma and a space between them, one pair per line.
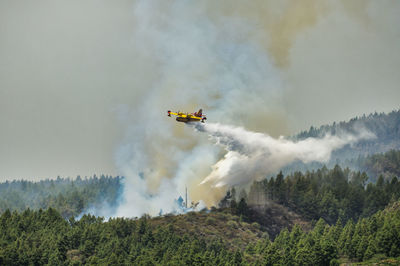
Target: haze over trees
362, 155
386, 128
45, 237
68, 196
330, 194
344, 212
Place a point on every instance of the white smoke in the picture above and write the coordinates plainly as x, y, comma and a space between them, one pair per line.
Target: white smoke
191, 57
193, 62
251, 156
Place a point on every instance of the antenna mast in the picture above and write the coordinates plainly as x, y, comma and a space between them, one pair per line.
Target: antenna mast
186, 196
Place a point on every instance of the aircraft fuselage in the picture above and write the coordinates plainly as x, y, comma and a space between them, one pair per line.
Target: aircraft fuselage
186, 119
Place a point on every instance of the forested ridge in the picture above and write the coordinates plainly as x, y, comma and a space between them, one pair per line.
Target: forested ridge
384, 127
340, 213
349, 225
69, 196
375, 237
386, 164
330, 194
45, 237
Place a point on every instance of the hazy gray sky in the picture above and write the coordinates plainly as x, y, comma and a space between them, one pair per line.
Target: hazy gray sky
70, 70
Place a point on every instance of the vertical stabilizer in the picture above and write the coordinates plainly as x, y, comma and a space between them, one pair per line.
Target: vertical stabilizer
199, 113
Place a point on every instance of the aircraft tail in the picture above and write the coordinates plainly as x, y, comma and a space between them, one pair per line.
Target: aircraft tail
199, 113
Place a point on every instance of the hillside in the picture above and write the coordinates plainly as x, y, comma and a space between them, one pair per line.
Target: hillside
380, 164
386, 128
270, 215
44, 237
212, 226
330, 194
274, 203
324, 216
70, 197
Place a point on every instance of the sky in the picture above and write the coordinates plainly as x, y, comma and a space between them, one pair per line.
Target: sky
84, 84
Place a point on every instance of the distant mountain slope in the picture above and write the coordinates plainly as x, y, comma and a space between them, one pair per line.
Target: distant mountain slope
386, 164
386, 128
331, 194
69, 196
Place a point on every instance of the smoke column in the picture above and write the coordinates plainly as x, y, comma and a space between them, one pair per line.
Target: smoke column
236, 62
193, 61
251, 156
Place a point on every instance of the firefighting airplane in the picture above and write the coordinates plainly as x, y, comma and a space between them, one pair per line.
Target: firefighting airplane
187, 117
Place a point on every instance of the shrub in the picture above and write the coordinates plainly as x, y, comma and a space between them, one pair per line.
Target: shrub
211, 221
232, 224
255, 226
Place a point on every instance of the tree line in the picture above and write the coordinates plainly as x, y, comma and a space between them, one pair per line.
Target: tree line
45, 237
374, 238
68, 196
386, 164
385, 128
330, 194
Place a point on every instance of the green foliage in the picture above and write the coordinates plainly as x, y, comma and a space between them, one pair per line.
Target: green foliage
379, 234
232, 224
45, 237
385, 164
210, 221
69, 197
329, 194
361, 156
386, 128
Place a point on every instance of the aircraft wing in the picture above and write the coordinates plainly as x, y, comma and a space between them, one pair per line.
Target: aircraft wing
172, 113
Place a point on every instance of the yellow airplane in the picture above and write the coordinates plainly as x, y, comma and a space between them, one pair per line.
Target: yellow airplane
189, 117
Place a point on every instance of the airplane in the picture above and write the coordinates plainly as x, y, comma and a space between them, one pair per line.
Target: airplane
188, 117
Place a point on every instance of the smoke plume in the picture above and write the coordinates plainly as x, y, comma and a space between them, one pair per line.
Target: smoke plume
200, 63
278, 67
237, 63
251, 156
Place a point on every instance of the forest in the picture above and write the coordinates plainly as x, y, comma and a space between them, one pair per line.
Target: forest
344, 212
385, 164
46, 238
70, 197
330, 194
385, 127
375, 156
373, 237
350, 221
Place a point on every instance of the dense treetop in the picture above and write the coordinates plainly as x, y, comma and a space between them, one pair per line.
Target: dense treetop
45, 237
